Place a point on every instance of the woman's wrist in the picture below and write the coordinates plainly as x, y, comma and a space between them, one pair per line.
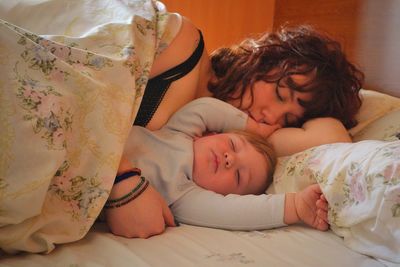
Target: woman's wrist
124, 187
290, 213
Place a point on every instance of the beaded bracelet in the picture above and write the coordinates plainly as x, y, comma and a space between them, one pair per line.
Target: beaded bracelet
125, 199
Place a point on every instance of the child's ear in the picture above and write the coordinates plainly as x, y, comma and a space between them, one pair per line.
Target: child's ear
209, 133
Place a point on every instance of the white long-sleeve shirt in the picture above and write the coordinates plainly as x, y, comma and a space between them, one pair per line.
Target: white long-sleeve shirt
166, 160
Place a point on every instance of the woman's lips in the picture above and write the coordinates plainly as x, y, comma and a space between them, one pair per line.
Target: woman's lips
251, 115
261, 120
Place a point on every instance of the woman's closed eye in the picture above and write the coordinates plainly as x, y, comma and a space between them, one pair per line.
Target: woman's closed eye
289, 119
279, 93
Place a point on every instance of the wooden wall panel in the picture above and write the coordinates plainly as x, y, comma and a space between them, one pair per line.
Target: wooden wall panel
338, 18
378, 42
367, 29
225, 22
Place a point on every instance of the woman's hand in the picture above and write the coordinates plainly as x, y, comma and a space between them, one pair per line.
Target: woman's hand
146, 215
263, 129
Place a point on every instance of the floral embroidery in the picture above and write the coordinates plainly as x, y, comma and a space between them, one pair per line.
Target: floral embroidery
77, 202
45, 110
233, 257
354, 191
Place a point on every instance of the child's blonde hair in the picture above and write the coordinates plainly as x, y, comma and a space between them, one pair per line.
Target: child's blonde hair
261, 145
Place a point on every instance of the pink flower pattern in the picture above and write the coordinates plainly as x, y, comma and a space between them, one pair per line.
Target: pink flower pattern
357, 187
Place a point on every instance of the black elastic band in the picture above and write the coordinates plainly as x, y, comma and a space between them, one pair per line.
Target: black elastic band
157, 86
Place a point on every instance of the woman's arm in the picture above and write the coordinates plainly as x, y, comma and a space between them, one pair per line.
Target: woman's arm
207, 114
146, 215
319, 131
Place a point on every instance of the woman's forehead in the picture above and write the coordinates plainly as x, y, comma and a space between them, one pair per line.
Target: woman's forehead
303, 79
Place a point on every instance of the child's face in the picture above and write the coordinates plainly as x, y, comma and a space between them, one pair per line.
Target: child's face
228, 164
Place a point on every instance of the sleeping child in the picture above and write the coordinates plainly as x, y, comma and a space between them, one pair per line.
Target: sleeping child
213, 180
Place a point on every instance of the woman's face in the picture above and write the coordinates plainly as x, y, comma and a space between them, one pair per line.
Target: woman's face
272, 104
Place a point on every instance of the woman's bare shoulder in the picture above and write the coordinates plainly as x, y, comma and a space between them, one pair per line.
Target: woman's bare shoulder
180, 48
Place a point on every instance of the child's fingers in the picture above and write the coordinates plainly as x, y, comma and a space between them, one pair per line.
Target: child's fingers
316, 188
322, 215
322, 220
322, 225
323, 205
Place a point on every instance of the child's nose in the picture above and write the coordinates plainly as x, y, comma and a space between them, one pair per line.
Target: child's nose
229, 160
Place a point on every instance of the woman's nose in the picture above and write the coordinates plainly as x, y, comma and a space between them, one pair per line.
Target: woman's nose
273, 116
229, 160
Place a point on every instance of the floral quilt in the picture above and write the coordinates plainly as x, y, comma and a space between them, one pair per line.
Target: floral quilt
67, 101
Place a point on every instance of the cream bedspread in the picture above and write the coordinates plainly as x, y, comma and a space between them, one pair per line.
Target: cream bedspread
67, 101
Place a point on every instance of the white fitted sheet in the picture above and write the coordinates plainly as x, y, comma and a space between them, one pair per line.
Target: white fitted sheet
197, 246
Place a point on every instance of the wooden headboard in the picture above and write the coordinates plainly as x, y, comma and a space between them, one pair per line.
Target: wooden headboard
367, 29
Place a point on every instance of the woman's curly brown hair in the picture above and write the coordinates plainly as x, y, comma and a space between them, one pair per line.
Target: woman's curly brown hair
335, 82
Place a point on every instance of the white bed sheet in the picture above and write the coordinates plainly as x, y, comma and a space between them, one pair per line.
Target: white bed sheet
196, 246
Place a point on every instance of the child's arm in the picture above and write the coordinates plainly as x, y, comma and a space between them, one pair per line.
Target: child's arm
251, 212
288, 141
208, 114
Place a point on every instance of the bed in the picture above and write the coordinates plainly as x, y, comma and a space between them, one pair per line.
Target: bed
185, 245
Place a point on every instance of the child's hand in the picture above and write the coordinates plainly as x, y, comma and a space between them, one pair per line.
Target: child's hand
263, 129
312, 207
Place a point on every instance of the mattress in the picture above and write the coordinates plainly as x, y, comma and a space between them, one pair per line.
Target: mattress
197, 246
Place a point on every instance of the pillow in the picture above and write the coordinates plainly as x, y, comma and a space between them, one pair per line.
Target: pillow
386, 128
291, 173
375, 105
